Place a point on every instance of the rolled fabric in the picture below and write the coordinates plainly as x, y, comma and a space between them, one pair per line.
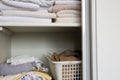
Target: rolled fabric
68, 12
68, 20
24, 5
8, 69
24, 19
27, 14
67, 2
43, 3
57, 8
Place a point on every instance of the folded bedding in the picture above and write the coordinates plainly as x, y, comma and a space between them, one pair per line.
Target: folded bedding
23, 5
45, 3
68, 20
32, 75
57, 8
43, 76
8, 69
68, 15
9, 77
19, 13
68, 12
67, 2
24, 19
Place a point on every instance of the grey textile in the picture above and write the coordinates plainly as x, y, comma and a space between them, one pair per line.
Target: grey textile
8, 69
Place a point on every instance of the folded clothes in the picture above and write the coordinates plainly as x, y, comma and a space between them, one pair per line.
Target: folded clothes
8, 77
68, 20
68, 12
68, 15
67, 2
57, 8
27, 14
7, 69
44, 76
44, 3
24, 5
24, 19
67, 55
6, 7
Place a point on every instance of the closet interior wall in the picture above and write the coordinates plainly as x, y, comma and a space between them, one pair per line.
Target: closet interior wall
5, 46
38, 44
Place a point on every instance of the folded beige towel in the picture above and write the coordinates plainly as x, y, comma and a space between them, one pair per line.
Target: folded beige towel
69, 15
67, 2
19, 13
69, 12
57, 8
68, 20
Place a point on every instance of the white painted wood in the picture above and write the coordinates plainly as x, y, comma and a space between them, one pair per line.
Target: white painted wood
5, 46
86, 39
94, 69
40, 43
16, 24
108, 39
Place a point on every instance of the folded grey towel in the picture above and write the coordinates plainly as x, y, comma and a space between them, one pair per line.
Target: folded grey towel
8, 69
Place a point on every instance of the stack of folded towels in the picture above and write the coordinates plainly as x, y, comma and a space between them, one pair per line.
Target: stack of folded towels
24, 68
67, 11
26, 11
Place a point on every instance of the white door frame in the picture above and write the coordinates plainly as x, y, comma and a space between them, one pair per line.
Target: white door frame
93, 22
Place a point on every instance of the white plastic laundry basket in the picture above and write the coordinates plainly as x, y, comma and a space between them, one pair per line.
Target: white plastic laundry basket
66, 70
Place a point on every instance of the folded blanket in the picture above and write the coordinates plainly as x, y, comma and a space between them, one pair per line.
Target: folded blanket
9, 77
6, 7
68, 20
24, 19
68, 12
67, 2
44, 3
57, 8
68, 15
7, 69
27, 14
39, 74
24, 5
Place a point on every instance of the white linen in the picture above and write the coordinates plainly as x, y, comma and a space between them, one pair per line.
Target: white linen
24, 19
24, 5
22, 59
44, 3
6, 7
67, 2
27, 14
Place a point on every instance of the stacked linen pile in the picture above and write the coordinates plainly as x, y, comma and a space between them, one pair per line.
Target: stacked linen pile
23, 68
26, 11
67, 11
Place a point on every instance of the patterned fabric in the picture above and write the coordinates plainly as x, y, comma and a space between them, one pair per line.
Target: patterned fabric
30, 76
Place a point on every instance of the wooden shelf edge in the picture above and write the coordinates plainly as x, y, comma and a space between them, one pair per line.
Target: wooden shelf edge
17, 24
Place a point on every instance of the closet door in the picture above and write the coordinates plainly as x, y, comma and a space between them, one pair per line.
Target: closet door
108, 39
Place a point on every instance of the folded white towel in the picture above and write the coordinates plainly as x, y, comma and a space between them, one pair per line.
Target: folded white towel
67, 2
44, 3
6, 7
34, 14
24, 19
24, 5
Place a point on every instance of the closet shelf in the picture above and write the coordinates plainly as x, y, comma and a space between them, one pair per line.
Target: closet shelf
17, 24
